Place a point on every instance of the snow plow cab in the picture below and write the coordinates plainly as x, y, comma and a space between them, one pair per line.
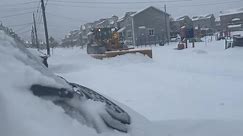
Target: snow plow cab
105, 43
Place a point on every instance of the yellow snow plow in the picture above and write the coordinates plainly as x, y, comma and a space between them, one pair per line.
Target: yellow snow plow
105, 43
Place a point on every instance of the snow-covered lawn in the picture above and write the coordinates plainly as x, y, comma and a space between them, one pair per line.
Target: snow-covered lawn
204, 83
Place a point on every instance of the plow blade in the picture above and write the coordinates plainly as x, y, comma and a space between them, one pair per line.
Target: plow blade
109, 54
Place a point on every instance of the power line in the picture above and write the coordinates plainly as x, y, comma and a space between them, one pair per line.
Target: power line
208, 4
46, 3
86, 6
18, 4
22, 28
20, 25
38, 14
24, 32
19, 14
62, 3
56, 15
124, 2
38, 8
17, 9
39, 23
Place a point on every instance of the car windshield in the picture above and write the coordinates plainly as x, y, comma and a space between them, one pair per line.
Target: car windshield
114, 67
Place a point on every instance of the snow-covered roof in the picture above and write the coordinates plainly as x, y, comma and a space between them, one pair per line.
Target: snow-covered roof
205, 29
126, 14
183, 27
217, 19
138, 12
101, 22
195, 18
235, 26
120, 19
142, 27
112, 22
89, 33
236, 19
180, 18
209, 15
230, 12
121, 30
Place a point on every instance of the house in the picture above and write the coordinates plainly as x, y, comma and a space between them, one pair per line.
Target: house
146, 27
184, 21
85, 30
72, 39
108, 22
217, 24
125, 28
179, 26
207, 21
101, 23
204, 25
232, 20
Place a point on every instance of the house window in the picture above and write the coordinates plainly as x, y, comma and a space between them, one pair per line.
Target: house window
129, 34
151, 32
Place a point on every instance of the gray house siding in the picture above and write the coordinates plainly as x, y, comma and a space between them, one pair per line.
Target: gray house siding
227, 20
205, 22
181, 22
150, 26
126, 24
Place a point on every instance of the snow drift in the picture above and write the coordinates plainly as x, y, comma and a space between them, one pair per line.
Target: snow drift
22, 113
196, 91
207, 100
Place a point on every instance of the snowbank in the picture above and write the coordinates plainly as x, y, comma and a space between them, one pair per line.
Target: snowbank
200, 83
202, 86
189, 92
22, 113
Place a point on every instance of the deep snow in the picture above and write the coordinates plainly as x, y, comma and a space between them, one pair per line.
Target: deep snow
193, 92
200, 83
196, 91
22, 113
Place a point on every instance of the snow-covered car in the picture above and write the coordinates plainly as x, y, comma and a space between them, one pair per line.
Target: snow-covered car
31, 95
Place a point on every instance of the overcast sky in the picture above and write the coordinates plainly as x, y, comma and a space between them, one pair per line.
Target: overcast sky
68, 15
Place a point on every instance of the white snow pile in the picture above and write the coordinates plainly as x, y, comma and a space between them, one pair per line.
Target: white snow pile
202, 86
193, 92
22, 113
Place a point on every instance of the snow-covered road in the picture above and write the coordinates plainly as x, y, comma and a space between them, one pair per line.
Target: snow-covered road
194, 92
200, 83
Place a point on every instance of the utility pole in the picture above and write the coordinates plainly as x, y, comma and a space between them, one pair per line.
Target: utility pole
33, 37
45, 26
166, 29
35, 31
